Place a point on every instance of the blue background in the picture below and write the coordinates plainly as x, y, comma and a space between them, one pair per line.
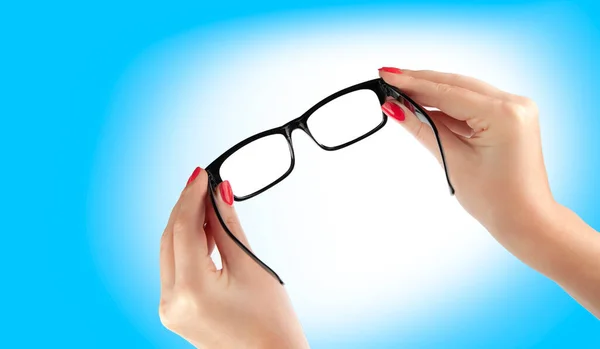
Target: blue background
59, 68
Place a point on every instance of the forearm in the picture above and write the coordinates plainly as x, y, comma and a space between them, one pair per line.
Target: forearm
556, 242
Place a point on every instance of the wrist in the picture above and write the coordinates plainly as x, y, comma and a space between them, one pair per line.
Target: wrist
294, 342
527, 230
521, 217
548, 237
287, 334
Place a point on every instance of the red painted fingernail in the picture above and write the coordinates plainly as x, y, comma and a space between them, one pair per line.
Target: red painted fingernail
226, 192
391, 70
393, 110
193, 176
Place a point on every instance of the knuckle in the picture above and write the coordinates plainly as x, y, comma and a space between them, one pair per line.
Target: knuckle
231, 222
165, 315
529, 105
183, 289
478, 124
456, 78
521, 109
420, 132
166, 235
404, 80
406, 77
186, 302
514, 111
180, 309
443, 88
179, 225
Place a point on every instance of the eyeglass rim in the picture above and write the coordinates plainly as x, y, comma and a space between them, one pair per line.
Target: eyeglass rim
378, 86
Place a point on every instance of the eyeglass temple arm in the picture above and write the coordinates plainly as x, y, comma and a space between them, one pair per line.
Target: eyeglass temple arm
234, 238
395, 93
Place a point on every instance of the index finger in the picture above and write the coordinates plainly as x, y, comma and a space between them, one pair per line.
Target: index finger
167, 262
458, 102
458, 80
189, 238
167, 253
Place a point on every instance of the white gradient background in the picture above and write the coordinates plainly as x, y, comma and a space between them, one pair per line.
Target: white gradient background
366, 238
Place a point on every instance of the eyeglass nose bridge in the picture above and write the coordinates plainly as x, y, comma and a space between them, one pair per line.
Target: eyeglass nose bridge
299, 123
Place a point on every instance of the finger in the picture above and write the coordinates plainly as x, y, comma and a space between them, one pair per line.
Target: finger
458, 80
421, 131
458, 127
167, 262
231, 253
462, 104
210, 240
189, 240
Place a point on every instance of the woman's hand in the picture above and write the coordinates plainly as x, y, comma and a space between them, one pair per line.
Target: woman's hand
492, 144
239, 306
491, 140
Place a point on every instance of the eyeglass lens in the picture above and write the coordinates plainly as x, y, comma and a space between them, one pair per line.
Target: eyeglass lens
259, 163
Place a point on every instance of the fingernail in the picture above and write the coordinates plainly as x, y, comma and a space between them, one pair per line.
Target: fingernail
393, 110
391, 70
193, 176
226, 192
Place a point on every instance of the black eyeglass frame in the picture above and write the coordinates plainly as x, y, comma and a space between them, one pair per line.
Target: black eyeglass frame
378, 86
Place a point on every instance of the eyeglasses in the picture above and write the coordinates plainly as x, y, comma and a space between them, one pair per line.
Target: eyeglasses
340, 120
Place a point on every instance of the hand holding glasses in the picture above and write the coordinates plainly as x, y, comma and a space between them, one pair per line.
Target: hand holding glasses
271, 153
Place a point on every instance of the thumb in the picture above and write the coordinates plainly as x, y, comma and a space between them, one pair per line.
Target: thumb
236, 253
421, 130
222, 213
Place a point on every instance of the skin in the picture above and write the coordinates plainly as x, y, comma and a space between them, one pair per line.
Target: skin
239, 306
492, 143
